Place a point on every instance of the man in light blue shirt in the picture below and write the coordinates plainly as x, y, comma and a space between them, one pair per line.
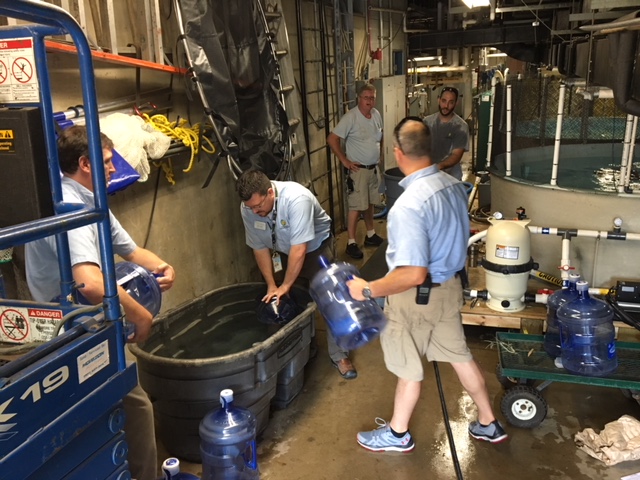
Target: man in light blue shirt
288, 230
428, 229
43, 278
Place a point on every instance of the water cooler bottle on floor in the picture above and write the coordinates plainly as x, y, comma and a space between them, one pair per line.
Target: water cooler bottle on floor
228, 442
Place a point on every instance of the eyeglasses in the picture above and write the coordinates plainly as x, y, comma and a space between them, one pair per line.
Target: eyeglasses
255, 207
368, 98
396, 131
450, 89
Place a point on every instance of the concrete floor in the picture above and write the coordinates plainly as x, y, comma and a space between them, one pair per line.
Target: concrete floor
314, 438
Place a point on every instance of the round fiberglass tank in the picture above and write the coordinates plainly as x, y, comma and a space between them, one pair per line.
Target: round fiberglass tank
576, 203
215, 342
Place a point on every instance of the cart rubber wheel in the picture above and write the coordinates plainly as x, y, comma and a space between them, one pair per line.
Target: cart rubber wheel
523, 406
631, 394
509, 382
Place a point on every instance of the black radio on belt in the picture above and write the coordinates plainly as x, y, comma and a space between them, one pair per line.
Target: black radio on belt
423, 291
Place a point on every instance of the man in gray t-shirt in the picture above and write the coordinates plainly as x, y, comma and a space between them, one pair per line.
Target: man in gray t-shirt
449, 134
361, 130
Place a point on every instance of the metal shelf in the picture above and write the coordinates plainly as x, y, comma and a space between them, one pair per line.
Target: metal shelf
53, 46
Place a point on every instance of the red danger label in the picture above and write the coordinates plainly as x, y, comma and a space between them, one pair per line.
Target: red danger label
36, 312
19, 43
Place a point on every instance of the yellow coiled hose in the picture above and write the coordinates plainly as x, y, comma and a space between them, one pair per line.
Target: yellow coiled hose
181, 132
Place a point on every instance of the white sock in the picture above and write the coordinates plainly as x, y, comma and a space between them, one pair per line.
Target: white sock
351, 240
371, 233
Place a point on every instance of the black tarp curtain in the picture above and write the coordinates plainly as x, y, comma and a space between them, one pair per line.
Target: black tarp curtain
233, 61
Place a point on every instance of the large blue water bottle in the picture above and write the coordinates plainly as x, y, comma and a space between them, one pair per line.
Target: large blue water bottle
555, 301
141, 284
171, 471
352, 323
228, 442
587, 335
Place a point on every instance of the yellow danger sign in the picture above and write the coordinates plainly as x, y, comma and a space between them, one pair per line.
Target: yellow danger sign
6, 134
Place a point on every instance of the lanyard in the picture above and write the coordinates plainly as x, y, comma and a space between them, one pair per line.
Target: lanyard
273, 222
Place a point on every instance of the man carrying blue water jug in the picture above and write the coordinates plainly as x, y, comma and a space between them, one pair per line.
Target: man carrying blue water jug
428, 229
43, 278
288, 231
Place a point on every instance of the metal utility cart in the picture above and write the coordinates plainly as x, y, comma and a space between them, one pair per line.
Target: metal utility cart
61, 414
523, 360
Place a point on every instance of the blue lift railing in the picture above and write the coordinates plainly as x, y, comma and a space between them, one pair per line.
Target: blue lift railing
52, 20
61, 403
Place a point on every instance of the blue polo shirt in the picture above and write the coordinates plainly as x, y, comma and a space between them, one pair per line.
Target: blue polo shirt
300, 219
428, 225
42, 269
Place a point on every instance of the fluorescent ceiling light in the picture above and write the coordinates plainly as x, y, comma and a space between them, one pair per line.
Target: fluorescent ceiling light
501, 54
476, 3
425, 59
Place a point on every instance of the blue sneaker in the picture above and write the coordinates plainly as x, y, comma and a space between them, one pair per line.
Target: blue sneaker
493, 432
382, 440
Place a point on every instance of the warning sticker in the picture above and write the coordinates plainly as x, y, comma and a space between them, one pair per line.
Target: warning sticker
43, 323
24, 325
92, 361
7, 146
18, 76
507, 252
14, 326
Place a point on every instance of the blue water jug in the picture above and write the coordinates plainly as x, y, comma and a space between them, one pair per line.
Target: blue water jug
555, 301
141, 284
171, 471
228, 442
352, 323
587, 335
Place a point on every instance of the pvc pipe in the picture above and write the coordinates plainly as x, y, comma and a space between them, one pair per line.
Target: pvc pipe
625, 153
632, 149
478, 236
494, 81
565, 261
556, 149
606, 234
508, 166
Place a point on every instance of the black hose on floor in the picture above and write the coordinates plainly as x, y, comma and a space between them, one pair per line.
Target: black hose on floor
445, 415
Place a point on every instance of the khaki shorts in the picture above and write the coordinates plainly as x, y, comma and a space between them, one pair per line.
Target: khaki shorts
365, 189
434, 330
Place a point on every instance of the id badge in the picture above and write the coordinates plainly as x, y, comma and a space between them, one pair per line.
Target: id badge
277, 262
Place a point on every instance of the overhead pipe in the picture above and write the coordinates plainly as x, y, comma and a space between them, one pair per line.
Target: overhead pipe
556, 148
387, 10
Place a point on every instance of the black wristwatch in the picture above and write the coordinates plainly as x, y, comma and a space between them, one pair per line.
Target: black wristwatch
366, 292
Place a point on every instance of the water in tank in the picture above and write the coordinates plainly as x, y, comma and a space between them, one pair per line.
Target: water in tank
587, 335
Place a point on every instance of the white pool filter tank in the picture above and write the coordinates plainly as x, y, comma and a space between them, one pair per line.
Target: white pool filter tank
507, 263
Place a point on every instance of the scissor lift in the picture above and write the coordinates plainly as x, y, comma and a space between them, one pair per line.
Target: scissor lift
61, 413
